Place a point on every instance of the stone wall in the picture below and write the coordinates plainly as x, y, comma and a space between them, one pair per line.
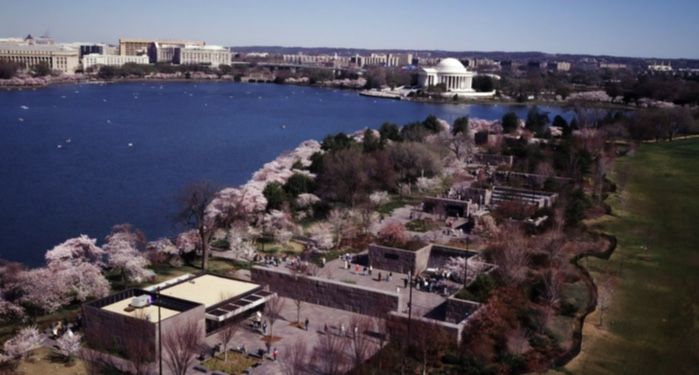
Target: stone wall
457, 310
324, 292
439, 255
398, 260
110, 331
431, 329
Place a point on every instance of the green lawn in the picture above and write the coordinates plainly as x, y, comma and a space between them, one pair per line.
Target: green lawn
652, 324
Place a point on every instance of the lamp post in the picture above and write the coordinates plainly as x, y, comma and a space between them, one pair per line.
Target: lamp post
466, 264
160, 334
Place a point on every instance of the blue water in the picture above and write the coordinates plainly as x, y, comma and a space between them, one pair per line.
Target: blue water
181, 132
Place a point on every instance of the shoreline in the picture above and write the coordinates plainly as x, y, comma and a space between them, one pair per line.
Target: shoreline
430, 100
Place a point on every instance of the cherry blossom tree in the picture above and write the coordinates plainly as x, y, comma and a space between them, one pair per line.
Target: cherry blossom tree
162, 250
188, 241
279, 225
341, 224
322, 235
49, 288
378, 198
68, 345
74, 251
124, 256
42, 289
393, 234
9, 311
241, 238
25, 341
305, 200
425, 184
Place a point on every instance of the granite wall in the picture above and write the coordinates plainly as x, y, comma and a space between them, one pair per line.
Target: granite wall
398, 260
324, 292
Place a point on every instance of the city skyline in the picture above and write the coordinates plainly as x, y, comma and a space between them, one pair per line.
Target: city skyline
596, 28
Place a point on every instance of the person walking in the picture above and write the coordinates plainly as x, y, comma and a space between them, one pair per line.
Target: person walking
306, 324
275, 353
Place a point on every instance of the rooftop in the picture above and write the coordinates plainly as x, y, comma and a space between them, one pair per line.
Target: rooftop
208, 290
149, 312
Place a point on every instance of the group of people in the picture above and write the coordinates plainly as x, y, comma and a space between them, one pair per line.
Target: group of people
62, 327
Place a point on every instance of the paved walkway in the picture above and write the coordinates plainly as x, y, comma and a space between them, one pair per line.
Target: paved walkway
422, 301
318, 316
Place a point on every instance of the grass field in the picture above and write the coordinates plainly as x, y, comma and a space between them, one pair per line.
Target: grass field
652, 323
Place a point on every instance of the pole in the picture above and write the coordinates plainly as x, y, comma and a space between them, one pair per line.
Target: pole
160, 336
410, 301
466, 265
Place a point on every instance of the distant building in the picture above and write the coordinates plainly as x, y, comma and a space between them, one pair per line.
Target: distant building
111, 60
43, 40
162, 53
133, 47
91, 49
453, 75
203, 55
383, 59
612, 66
60, 58
661, 68
559, 66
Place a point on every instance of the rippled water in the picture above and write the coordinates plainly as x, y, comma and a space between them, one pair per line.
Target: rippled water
126, 149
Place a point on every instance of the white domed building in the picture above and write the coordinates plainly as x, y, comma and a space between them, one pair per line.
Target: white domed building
455, 77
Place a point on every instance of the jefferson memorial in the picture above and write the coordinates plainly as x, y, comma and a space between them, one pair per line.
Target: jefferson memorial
453, 75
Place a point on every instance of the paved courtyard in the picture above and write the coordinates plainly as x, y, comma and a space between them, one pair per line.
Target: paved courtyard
422, 301
319, 317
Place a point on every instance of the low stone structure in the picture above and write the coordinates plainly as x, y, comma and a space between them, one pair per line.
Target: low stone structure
414, 261
538, 198
324, 292
111, 330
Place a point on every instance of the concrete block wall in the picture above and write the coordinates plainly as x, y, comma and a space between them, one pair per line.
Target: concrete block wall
111, 331
397, 324
457, 310
398, 260
324, 292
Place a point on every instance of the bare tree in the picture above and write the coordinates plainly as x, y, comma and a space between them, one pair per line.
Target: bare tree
430, 340
510, 254
361, 342
139, 352
273, 309
226, 336
96, 362
329, 354
553, 282
194, 201
295, 359
181, 346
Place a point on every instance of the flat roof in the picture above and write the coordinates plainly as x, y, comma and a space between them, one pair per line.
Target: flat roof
149, 312
208, 289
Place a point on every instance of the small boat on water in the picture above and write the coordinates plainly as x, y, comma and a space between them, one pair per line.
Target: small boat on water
130, 144
20, 119
23, 107
59, 147
68, 140
283, 126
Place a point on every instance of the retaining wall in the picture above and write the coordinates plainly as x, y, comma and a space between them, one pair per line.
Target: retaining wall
325, 292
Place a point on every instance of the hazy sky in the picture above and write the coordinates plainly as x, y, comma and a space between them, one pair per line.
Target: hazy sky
645, 28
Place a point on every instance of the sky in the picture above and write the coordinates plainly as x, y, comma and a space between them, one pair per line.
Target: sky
637, 28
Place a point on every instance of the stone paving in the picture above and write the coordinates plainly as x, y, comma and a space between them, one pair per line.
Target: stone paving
422, 301
318, 316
